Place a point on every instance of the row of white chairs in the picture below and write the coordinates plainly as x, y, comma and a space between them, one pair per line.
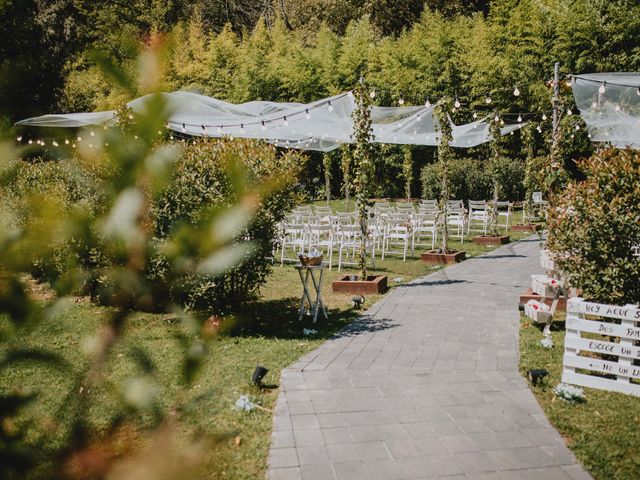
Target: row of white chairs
391, 230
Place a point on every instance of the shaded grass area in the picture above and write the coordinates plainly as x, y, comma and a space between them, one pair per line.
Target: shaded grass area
603, 431
266, 332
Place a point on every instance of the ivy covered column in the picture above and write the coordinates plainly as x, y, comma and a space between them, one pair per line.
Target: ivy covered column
445, 155
363, 167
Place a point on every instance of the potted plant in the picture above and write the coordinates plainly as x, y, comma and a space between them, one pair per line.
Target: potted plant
444, 255
363, 173
494, 238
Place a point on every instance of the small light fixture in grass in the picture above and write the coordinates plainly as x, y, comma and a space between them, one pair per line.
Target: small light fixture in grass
537, 375
258, 375
357, 301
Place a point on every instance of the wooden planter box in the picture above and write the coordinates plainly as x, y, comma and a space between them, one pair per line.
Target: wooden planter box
529, 294
490, 240
532, 227
435, 258
374, 284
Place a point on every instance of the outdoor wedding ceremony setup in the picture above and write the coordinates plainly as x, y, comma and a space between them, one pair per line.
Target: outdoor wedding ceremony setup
320, 240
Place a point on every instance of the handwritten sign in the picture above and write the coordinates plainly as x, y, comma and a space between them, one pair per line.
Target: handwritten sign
617, 339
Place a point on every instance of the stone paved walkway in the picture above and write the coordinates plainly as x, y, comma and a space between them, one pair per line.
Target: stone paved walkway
426, 385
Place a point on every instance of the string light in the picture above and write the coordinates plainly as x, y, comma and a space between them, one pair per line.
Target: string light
569, 112
372, 94
66, 141
569, 82
594, 104
457, 103
285, 122
184, 128
19, 139
617, 108
577, 127
603, 88
475, 115
427, 104
79, 139
307, 114
30, 141
519, 119
54, 143
516, 92
330, 107
488, 100
219, 129
242, 127
401, 101
496, 118
92, 133
539, 129
544, 116
264, 127
638, 91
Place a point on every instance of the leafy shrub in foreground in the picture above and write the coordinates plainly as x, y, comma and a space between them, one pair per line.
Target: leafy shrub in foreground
594, 228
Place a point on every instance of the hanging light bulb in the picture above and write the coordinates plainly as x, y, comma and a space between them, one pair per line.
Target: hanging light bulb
264, 127
594, 104
569, 112
569, 82
54, 143
617, 108
350, 94
539, 129
242, 127
104, 127
475, 115
577, 127
135, 137
66, 141
167, 125
92, 133
544, 116
170, 137
330, 107
307, 115
285, 121
603, 88
19, 139
418, 118
401, 101
184, 128
457, 103
488, 100
502, 122
219, 129
516, 92
372, 94
73, 146
427, 104
131, 116
638, 91
519, 119
496, 118
79, 139
30, 141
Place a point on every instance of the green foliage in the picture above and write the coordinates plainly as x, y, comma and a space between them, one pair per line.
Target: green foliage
442, 112
594, 227
363, 167
469, 179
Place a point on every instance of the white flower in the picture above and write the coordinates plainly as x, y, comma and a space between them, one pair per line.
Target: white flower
309, 331
546, 342
569, 393
243, 404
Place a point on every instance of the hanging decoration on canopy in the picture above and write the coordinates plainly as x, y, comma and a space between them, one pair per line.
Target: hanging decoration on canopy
609, 103
322, 125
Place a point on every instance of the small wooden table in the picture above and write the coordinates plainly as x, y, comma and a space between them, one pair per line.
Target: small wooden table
309, 273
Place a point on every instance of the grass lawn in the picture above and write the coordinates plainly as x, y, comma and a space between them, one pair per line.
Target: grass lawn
603, 431
265, 332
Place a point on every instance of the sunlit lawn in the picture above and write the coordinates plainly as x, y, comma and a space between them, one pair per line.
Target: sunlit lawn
265, 332
603, 431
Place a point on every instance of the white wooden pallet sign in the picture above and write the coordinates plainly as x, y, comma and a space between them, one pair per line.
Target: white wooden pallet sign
620, 372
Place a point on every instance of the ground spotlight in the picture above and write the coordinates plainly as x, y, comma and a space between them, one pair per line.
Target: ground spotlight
536, 376
258, 375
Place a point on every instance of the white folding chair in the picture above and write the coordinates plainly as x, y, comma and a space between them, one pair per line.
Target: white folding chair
397, 237
321, 237
425, 228
478, 219
349, 239
505, 211
294, 236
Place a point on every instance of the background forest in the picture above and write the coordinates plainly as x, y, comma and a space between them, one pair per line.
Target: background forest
284, 50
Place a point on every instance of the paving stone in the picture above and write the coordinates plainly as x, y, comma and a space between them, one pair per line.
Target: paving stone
424, 385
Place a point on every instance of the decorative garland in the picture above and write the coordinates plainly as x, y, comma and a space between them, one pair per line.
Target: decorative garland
445, 155
363, 166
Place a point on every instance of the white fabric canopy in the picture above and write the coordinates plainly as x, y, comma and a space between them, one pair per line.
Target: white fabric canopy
322, 125
609, 103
